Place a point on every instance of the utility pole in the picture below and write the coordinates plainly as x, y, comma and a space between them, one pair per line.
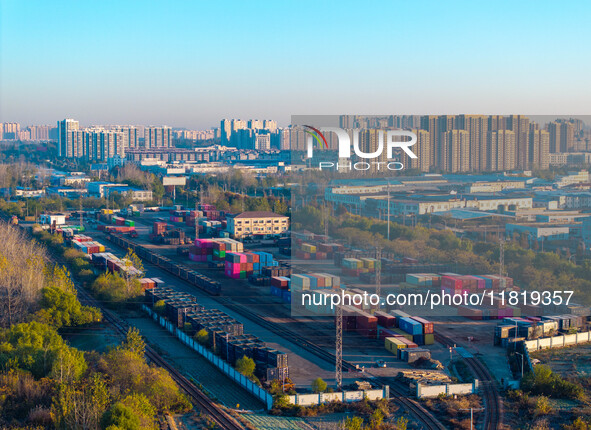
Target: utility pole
378, 271
388, 210
80, 214
339, 347
326, 222
501, 256
519, 353
472, 415
196, 221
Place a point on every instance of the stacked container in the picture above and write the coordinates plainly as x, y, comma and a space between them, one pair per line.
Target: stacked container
352, 266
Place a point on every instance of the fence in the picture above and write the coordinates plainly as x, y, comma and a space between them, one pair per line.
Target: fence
424, 391
258, 392
557, 341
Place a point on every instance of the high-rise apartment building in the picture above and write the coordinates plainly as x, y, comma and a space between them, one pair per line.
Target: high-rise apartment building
455, 151
477, 128
65, 146
539, 148
422, 150
501, 147
262, 141
157, 137
555, 139
519, 124
130, 134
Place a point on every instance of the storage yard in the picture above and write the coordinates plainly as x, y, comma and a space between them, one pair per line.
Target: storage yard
241, 293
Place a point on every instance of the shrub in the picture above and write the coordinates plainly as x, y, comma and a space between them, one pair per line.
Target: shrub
318, 385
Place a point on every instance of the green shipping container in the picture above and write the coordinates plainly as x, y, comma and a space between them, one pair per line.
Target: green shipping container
429, 339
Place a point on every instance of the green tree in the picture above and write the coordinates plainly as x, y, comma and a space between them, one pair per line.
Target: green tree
61, 308
401, 423
354, 423
202, 336
159, 306
68, 365
134, 342
133, 412
246, 366
30, 346
376, 419
318, 385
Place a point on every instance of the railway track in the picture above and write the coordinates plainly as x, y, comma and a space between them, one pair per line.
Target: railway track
492, 399
423, 416
204, 403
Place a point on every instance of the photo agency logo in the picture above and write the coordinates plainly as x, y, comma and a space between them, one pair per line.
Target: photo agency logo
373, 149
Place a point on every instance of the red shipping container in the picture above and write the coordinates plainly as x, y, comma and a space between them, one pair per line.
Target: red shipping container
427, 325
385, 319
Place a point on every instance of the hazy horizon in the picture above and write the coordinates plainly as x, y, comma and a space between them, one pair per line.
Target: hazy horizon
191, 64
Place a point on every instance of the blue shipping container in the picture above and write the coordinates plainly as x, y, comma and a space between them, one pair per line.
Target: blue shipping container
410, 326
286, 296
419, 339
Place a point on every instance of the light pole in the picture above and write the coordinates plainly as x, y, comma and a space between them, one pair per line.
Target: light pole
388, 210
519, 353
472, 415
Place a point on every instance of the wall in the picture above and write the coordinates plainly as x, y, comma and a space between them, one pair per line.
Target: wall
343, 396
425, 391
558, 341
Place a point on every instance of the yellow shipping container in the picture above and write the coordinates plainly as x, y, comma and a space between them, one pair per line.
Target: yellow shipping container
306, 247
393, 345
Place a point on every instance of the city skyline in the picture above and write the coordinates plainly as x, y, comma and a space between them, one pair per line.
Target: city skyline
190, 71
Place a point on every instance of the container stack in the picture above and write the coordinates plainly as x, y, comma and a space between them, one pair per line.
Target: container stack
306, 252
423, 279
213, 249
314, 281
88, 247
110, 262
159, 228
118, 228
352, 266
271, 271
117, 220
147, 283
359, 321
280, 287
226, 335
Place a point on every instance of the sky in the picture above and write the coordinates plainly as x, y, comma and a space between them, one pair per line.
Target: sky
192, 63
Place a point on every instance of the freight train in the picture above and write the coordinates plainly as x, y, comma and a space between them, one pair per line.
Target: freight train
193, 277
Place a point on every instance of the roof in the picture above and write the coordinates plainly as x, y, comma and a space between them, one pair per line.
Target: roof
259, 214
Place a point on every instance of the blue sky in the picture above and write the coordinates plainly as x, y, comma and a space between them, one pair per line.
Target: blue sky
191, 63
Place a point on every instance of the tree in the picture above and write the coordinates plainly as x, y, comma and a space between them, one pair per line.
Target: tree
68, 366
134, 342
159, 306
131, 261
246, 366
133, 412
401, 423
354, 423
62, 308
202, 336
318, 385
30, 346
21, 274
